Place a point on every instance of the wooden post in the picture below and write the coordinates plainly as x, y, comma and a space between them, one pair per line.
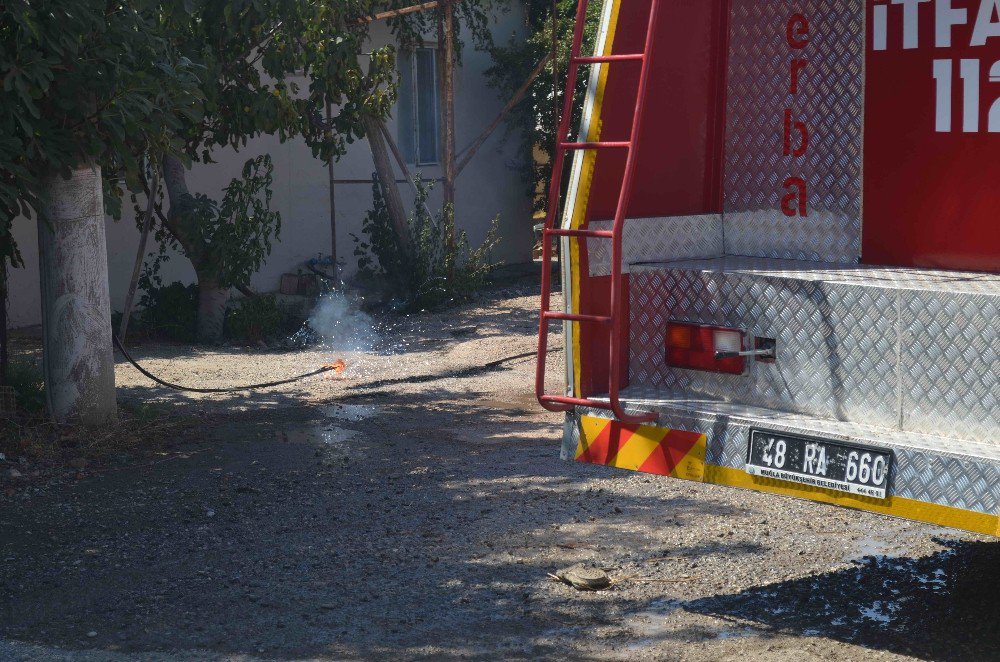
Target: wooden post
395, 13
446, 43
133, 284
333, 201
469, 152
387, 177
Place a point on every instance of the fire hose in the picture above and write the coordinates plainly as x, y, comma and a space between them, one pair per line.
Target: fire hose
232, 389
492, 365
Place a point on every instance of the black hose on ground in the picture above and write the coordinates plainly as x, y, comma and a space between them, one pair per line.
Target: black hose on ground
191, 389
492, 365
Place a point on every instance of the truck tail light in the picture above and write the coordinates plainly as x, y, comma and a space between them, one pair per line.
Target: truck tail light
694, 346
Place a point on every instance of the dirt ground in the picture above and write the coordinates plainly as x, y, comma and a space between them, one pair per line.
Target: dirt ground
414, 510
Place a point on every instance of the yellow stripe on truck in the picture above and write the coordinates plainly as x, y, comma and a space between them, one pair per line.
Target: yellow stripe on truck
582, 200
921, 511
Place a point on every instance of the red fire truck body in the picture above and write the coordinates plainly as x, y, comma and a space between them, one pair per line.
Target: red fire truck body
780, 250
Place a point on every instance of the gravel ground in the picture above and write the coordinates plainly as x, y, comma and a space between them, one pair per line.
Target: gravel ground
379, 518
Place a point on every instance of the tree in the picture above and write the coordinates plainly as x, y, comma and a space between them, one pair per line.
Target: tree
88, 89
253, 54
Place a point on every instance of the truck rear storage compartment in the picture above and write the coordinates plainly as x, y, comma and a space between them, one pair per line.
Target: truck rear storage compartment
900, 349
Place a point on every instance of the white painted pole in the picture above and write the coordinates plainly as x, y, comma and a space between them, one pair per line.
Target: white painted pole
78, 359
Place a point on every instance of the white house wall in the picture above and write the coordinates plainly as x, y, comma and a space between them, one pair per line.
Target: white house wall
487, 188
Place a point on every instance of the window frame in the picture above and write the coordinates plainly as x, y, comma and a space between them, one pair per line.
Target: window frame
415, 105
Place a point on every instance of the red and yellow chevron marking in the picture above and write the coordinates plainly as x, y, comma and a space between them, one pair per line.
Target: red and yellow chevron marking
644, 448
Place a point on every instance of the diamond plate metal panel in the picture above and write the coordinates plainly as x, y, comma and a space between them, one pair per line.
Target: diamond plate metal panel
902, 349
837, 344
831, 103
897, 278
950, 359
657, 239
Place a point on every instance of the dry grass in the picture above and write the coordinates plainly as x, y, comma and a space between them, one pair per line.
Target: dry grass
27, 432
44, 442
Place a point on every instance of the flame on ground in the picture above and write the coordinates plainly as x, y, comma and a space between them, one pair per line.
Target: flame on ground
336, 367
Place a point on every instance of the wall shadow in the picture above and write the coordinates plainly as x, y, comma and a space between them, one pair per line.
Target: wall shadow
940, 607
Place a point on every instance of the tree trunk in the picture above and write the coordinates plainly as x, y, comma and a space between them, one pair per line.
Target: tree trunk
78, 359
212, 296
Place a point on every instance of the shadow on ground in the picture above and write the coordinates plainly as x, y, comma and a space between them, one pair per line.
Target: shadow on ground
942, 607
401, 534
401, 541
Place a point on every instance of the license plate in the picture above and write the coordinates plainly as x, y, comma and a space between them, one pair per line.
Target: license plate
833, 465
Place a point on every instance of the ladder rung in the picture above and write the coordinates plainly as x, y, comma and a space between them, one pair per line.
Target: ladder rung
601, 59
572, 317
596, 234
576, 402
643, 417
600, 145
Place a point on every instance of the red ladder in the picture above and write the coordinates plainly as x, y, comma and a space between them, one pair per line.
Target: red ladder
614, 320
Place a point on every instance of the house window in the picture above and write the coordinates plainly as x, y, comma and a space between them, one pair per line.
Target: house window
419, 108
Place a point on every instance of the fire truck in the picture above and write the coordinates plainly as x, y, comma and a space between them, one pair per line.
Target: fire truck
779, 246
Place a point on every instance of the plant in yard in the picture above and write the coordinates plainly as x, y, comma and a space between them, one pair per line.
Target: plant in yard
89, 87
28, 383
169, 311
229, 240
440, 271
260, 318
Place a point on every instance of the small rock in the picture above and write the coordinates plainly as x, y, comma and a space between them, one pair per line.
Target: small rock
91, 634
584, 578
12, 474
3, 458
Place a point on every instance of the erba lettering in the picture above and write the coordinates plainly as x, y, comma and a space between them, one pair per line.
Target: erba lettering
795, 198
903, 19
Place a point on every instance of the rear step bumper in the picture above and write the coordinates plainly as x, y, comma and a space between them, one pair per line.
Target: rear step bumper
938, 480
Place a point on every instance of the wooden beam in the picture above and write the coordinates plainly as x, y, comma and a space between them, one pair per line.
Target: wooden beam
469, 152
446, 43
402, 166
387, 179
333, 199
363, 181
381, 16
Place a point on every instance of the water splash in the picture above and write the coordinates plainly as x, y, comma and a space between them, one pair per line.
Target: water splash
372, 347
338, 324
